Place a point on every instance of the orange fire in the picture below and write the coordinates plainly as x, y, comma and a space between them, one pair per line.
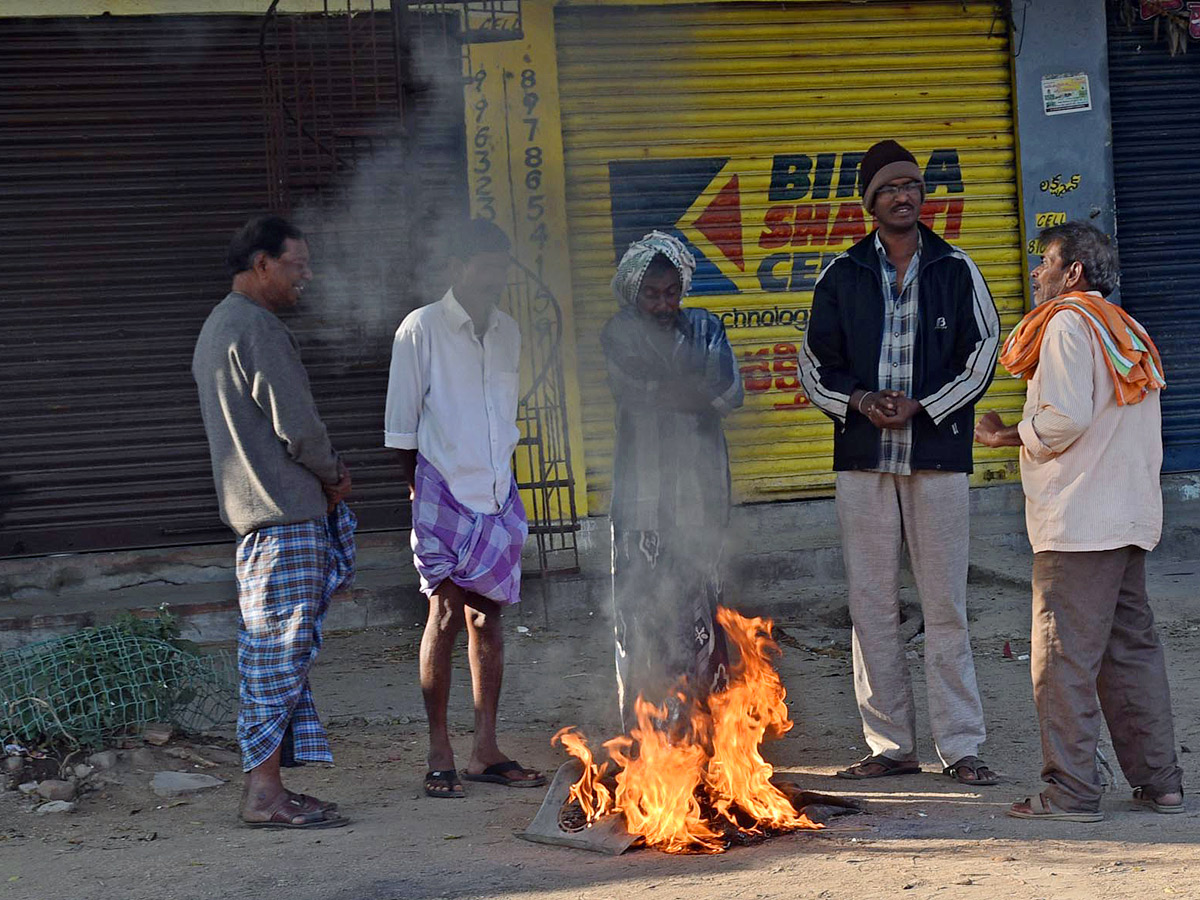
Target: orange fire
681, 793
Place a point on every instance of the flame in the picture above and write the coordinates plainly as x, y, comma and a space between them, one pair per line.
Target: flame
592, 795
685, 787
656, 790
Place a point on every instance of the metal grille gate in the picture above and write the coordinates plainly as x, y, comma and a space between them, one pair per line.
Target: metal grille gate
365, 121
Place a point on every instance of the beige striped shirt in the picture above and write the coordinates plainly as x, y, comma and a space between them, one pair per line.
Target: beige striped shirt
1090, 468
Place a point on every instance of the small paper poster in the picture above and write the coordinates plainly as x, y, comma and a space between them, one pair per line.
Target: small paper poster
1063, 94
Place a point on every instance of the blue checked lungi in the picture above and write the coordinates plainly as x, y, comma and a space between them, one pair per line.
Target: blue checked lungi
479, 552
286, 576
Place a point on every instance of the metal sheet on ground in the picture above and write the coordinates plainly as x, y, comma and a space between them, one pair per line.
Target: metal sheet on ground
607, 836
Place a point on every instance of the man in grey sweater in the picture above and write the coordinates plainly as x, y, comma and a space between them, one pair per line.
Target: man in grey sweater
280, 487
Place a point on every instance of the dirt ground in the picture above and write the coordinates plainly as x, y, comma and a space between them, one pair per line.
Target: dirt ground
924, 836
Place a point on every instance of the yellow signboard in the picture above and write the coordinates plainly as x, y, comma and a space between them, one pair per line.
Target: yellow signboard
516, 179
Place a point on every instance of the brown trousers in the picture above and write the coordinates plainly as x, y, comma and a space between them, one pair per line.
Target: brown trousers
1093, 634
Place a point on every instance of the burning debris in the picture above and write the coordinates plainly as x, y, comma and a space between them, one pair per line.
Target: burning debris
693, 782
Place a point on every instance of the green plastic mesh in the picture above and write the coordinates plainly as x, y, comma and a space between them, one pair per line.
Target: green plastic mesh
94, 684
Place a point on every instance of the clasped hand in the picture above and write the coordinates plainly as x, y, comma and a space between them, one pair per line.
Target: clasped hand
888, 409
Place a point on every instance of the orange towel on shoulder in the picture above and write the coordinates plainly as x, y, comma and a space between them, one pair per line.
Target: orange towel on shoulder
1133, 360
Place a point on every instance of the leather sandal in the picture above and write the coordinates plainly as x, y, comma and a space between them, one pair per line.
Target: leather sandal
509, 773
291, 812
980, 773
887, 767
313, 803
1142, 798
1040, 807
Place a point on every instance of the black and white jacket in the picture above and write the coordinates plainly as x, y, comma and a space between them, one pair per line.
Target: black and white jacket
957, 339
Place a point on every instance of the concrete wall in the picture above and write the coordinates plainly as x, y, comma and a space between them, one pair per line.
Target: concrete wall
1066, 158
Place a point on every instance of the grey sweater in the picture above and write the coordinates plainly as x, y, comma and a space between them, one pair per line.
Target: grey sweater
270, 450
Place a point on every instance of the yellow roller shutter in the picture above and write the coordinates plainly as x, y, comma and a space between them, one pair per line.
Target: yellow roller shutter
740, 126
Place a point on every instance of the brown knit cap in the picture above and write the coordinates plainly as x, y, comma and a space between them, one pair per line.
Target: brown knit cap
883, 162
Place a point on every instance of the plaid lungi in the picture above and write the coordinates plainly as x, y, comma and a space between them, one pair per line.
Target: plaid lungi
479, 552
286, 575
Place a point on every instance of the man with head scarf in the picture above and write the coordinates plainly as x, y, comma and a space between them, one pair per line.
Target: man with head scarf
673, 376
901, 343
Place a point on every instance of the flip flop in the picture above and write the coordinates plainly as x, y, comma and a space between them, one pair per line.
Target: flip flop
452, 790
1025, 809
498, 774
288, 810
888, 765
1141, 798
973, 764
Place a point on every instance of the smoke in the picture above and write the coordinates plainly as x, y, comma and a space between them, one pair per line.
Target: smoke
374, 256
378, 233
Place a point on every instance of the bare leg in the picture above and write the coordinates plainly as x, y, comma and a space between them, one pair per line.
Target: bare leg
485, 645
442, 627
485, 636
263, 789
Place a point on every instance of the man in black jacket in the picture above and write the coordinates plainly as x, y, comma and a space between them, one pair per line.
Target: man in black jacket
901, 343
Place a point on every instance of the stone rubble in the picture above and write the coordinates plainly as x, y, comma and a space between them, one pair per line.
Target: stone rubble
172, 784
53, 789
55, 806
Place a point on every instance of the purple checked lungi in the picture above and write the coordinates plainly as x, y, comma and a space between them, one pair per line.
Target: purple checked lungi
286, 575
479, 552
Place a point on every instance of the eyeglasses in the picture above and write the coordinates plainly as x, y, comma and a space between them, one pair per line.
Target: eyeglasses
891, 191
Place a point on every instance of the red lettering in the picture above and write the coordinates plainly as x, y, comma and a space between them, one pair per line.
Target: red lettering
931, 210
756, 384
848, 227
786, 368
1152, 8
951, 212
954, 215
797, 402
811, 223
779, 230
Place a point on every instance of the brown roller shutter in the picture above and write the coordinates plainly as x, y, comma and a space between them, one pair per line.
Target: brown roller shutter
130, 149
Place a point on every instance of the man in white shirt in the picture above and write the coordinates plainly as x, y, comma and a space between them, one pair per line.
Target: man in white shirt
451, 412
1091, 449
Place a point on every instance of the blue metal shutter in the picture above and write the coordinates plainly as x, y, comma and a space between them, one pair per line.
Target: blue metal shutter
1156, 161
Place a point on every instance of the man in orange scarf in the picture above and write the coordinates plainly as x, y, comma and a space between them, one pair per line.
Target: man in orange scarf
1091, 450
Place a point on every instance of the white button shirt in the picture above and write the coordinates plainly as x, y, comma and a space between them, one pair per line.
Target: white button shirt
453, 397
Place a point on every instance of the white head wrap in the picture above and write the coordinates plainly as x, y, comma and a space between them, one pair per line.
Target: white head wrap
632, 268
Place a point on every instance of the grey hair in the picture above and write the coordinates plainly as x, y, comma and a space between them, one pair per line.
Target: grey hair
1090, 247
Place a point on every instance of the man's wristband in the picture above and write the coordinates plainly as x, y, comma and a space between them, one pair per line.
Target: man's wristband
863, 396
